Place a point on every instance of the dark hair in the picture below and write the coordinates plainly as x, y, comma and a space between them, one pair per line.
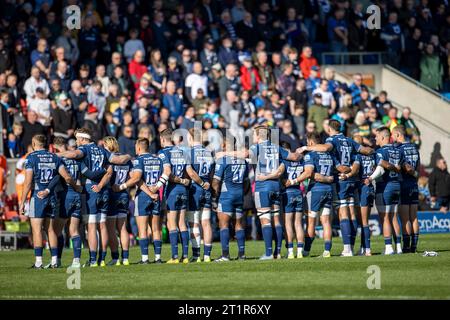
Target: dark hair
143, 143
59, 141
313, 136
41, 139
335, 125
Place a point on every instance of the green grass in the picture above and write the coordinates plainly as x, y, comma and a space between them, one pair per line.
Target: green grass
408, 276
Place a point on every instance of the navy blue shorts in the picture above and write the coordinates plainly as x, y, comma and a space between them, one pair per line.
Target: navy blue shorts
267, 199
119, 204
42, 208
97, 203
231, 204
345, 190
387, 197
318, 199
69, 204
366, 195
409, 193
146, 206
177, 198
199, 198
293, 201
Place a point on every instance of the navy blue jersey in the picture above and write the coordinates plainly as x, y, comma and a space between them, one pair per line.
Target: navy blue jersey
267, 157
73, 167
367, 165
151, 167
293, 169
344, 148
202, 162
410, 155
120, 173
323, 163
94, 158
391, 154
45, 165
232, 172
177, 157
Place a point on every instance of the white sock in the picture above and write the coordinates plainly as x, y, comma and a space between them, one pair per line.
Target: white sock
399, 247
145, 257
157, 256
389, 247
299, 251
54, 259
326, 252
38, 262
76, 260
290, 250
347, 247
367, 250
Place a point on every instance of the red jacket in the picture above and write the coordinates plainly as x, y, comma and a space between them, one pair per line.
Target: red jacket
306, 64
246, 80
136, 70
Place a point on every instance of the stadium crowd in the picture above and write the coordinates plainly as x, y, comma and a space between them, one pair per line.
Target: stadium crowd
136, 68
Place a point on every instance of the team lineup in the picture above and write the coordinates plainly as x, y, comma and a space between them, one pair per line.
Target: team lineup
188, 182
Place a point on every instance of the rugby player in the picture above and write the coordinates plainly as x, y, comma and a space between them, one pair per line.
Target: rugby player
176, 157
409, 189
387, 189
344, 149
229, 185
95, 159
148, 174
40, 168
200, 170
116, 219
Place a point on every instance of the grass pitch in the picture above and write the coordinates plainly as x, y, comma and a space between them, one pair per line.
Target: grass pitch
408, 276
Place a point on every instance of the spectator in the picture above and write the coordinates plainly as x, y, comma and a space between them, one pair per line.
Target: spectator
318, 112
286, 82
137, 68
439, 184
393, 38
63, 118
424, 194
412, 131
31, 127
356, 86
8, 112
173, 102
14, 147
307, 61
431, 70
391, 120
227, 54
338, 32
327, 96
34, 82
287, 135
41, 106
188, 119
126, 141
195, 81
133, 45
228, 105
249, 76
246, 30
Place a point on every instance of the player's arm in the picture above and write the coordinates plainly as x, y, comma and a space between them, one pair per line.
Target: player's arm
215, 187
308, 173
105, 179
241, 154
196, 178
272, 176
26, 189
367, 151
175, 179
71, 154
323, 179
93, 175
119, 159
354, 171
386, 165
325, 147
141, 185
135, 177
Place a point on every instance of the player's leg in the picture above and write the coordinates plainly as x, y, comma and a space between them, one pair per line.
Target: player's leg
289, 227
239, 229
393, 202
103, 209
49, 227
403, 211
74, 227
344, 216
156, 227
415, 227
184, 235
142, 223
193, 218
224, 222
124, 237
353, 221
365, 230
310, 232
299, 232
262, 203
173, 234
205, 218
111, 222
36, 229
91, 207
384, 221
326, 225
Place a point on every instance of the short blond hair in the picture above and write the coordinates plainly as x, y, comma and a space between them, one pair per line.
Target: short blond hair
111, 144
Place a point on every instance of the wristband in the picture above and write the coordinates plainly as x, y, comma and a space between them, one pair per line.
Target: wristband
159, 184
47, 189
202, 184
123, 186
294, 182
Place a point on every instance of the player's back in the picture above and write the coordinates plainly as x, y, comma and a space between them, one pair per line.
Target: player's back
73, 167
95, 158
344, 149
367, 165
410, 154
120, 173
267, 157
45, 166
323, 163
293, 169
151, 167
232, 172
178, 158
202, 161
391, 154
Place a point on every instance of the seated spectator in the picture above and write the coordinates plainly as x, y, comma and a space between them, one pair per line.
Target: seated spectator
287, 135
188, 119
41, 106
356, 86
439, 184
196, 80
173, 102
327, 96
64, 123
212, 113
286, 81
307, 61
93, 124
249, 75
412, 131
227, 54
126, 141
15, 147
317, 113
391, 120
111, 128
424, 194
35, 81
133, 45
199, 103
137, 68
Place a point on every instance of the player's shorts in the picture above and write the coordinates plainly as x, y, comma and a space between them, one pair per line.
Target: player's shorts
293, 201
176, 198
344, 194
97, 204
69, 204
409, 193
267, 199
199, 198
387, 197
42, 208
146, 206
366, 195
231, 204
119, 204
319, 198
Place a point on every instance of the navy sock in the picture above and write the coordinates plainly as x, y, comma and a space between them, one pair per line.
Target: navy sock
54, 252
103, 255
414, 242
353, 231
225, 241
267, 235
143, 243
279, 238
76, 244
240, 236
38, 251
173, 236
196, 252
115, 255
185, 243
396, 239
363, 243
93, 256
366, 237
387, 240
60, 246
289, 245
406, 242
125, 254
157, 245
207, 249
328, 245
345, 231
300, 245
308, 243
